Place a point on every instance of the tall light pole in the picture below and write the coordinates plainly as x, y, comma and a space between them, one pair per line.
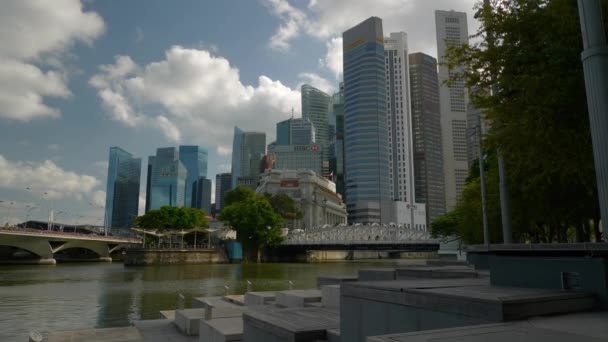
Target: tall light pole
595, 66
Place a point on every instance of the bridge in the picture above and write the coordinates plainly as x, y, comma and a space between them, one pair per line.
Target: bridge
343, 240
45, 246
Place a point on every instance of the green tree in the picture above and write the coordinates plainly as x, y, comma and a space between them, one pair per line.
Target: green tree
528, 52
257, 225
238, 194
285, 206
172, 218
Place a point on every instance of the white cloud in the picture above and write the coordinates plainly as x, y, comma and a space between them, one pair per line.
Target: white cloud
46, 177
34, 35
317, 82
200, 96
325, 19
333, 57
99, 198
54, 147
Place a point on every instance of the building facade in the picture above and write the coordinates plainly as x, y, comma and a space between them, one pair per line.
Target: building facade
201, 194
426, 118
451, 30
336, 164
122, 189
365, 123
314, 195
149, 181
194, 159
295, 131
401, 161
248, 148
315, 108
297, 157
223, 183
168, 180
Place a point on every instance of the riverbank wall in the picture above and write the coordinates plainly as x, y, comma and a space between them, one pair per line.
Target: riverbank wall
146, 257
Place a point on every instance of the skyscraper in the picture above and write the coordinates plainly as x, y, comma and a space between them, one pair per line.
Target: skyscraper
168, 180
451, 30
315, 108
122, 188
223, 183
201, 194
295, 131
401, 161
337, 147
194, 159
365, 123
247, 151
426, 119
149, 181
297, 157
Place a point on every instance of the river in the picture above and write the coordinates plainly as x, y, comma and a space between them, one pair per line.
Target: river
85, 295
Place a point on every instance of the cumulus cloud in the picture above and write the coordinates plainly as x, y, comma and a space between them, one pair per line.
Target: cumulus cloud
317, 81
333, 57
192, 95
326, 19
33, 37
99, 198
46, 177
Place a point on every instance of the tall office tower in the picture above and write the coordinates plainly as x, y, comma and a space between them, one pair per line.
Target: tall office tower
426, 119
149, 181
295, 131
201, 194
168, 181
365, 123
223, 183
248, 148
297, 157
451, 29
122, 189
194, 159
315, 108
337, 147
401, 161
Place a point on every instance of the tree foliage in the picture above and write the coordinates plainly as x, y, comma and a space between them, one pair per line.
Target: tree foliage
526, 70
285, 206
172, 218
257, 224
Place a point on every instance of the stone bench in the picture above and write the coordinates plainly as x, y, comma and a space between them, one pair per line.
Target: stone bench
289, 325
297, 298
329, 280
256, 298
221, 330
188, 320
377, 274
330, 296
436, 272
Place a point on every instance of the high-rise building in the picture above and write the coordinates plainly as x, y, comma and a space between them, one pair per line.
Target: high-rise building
297, 157
223, 183
426, 119
194, 159
248, 148
295, 131
336, 166
122, 188
201, 194
401, 161
365, 123
315, 108
168, 180
149, 181
451, 30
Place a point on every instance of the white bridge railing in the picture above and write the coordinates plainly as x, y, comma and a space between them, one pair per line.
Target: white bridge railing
358, 234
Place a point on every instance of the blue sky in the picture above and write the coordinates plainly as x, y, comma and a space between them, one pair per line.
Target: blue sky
79, 77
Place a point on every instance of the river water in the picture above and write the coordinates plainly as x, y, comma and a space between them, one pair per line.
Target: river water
86, 295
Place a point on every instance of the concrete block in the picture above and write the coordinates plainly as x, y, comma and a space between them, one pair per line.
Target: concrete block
221, 330
330, 296
328, 280
333, 335
289, 325
259, 298
188, 320
435, 272
297, 298
376, 274
157, 330
216, 302
108, 334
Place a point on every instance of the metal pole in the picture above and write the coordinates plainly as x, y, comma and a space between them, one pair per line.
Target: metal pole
482, 179
595, 66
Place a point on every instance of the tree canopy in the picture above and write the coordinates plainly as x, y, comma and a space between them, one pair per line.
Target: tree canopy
526, 70
172, 218
285, 206
257, 224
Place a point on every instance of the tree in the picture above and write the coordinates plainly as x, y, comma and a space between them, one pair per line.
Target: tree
172, 218
257, 225
238, 194
528, 77
284, 206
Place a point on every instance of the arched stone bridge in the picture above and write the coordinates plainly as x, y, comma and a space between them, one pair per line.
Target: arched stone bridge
45, 244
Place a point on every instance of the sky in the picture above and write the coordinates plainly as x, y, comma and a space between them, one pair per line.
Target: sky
77, 77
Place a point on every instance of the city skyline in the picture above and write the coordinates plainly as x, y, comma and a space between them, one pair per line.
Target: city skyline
87, 64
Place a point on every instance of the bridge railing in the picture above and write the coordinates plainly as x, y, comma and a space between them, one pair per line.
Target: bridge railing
368, 234
31, 231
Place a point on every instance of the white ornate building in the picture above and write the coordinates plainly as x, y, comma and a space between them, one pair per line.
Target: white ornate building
315, 196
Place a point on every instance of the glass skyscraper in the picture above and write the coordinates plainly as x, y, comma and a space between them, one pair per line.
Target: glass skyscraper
248, 148
297, 157
201, 195
122, 188
295, 131
223, 183
337, 146
194, 159
365, 123
168, 180
315, 108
